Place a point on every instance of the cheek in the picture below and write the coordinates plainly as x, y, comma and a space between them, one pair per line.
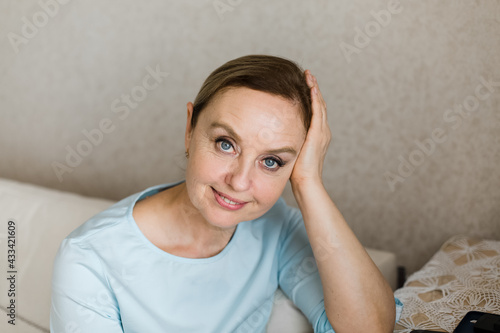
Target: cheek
204, 170
208, 165
267, 191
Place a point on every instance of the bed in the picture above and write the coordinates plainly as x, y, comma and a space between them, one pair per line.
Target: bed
464, 275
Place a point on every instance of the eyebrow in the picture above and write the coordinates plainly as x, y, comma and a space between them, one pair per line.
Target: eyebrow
231, 132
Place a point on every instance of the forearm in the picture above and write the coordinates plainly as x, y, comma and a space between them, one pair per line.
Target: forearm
357, 297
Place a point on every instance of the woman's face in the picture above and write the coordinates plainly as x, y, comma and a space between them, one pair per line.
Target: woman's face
244, 147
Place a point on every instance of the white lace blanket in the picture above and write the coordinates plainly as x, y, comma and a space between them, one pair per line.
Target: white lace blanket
464, 275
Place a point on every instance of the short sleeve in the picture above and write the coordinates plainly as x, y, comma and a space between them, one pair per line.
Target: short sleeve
299, 277
82, 300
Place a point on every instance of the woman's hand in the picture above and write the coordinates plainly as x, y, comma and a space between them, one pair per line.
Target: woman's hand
309, 164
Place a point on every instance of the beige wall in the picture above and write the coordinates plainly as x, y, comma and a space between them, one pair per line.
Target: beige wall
384, 92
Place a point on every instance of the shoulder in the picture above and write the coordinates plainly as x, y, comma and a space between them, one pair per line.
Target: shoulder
113, 219
81, 247
100, 223
86, 248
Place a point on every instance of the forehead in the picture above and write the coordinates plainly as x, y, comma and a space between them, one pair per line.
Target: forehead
250, 111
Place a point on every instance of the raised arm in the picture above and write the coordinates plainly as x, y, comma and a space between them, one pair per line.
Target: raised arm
357, 297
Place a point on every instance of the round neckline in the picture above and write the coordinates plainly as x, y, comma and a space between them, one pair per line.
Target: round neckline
156, 189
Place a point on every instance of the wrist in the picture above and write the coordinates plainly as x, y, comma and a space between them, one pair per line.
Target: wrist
306, 189
305, 183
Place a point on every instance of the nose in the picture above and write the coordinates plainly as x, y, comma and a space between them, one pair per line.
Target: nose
239, 175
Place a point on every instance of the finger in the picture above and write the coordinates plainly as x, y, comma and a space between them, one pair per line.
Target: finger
319, 92
316, 108
317, 99
309, 78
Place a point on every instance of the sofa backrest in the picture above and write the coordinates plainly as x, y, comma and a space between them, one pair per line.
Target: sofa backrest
43, 218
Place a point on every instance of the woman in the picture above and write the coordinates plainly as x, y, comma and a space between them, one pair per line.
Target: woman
207, 253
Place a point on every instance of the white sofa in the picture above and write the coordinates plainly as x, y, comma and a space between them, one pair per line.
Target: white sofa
44, 217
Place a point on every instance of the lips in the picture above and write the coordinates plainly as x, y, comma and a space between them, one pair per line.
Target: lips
221, 200
228, 197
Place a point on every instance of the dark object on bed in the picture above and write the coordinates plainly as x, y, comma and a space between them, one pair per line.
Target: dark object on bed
488, 323
479, 322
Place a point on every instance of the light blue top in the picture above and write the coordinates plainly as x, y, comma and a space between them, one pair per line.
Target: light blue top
108, 277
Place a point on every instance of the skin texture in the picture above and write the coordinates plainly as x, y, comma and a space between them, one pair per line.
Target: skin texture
186, 220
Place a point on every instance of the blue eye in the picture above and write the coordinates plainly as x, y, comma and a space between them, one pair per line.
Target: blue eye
225, 145
273, 165
270, 165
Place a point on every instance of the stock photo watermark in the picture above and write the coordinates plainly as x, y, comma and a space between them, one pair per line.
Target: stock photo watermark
224, 6
121, 106
371, 30
454, 117
30, 27
11, 271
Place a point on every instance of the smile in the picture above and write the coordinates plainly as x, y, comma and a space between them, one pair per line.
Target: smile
228, 203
